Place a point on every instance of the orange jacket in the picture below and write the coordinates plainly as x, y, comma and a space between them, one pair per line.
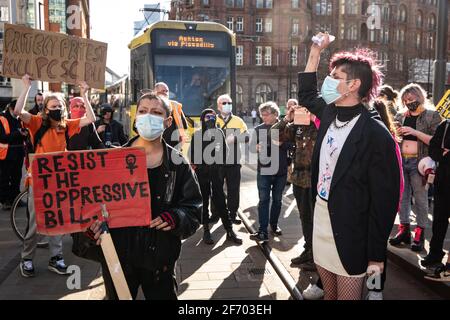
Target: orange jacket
4, 147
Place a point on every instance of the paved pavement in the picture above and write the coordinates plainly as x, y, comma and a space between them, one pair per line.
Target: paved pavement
400, 283
222, 271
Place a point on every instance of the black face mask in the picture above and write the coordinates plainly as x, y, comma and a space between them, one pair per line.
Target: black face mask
210, 124
413, 106
55, 114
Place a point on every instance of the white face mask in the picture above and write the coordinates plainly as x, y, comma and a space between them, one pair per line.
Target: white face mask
150, 127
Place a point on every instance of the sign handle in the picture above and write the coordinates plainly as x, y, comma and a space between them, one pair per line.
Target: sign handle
112, 260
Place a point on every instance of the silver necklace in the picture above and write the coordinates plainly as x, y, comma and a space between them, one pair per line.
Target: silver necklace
336, 126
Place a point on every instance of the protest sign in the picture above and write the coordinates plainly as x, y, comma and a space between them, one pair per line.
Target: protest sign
443, 106
53, 57
70, 187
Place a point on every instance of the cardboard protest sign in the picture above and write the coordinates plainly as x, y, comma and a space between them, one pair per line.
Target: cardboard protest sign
53, 57
70, 187
443, 106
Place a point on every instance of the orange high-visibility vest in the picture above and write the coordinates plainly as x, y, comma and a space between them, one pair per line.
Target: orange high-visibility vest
4, 147
177, 112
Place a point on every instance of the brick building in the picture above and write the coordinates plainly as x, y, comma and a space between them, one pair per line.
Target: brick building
273, 38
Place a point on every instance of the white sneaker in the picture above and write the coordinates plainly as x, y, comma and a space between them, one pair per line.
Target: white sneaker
373, 295
313, 292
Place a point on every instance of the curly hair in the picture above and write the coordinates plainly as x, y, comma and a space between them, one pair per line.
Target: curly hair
363, 65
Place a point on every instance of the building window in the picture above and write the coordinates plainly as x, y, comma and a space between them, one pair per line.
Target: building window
432, 22
240, 55
258, 56
230, 23
402, 14
385, 35
387, 11
205, 2
268, 56
234, 3
295, 4
264, 4
294, 91
324, 7
239, 94
240, 24
4, 14
323, 28
432, 42
263, 93
383, 57
352, 32
351, 6
418, 41
419, 21
295, 23
57, 13
400, 62
294, 55
268, 24
402, 37
259, 25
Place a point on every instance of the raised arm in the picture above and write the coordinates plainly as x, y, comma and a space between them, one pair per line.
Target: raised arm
19, 110
90, 115
308, 95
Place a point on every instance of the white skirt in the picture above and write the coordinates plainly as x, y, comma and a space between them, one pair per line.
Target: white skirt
324, 247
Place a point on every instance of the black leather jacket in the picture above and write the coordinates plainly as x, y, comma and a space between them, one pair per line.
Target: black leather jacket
155, 249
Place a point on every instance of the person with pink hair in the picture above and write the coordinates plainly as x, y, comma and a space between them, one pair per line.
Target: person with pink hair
88, 137
355, 172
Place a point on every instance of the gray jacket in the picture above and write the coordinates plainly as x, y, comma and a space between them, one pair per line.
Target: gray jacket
427, 122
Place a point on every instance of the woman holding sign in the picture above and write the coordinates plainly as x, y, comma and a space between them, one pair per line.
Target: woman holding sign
50, 131
148, 254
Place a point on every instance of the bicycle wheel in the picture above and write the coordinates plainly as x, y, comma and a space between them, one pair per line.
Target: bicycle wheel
19, 219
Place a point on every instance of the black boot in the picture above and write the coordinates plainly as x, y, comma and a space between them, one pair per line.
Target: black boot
231, 236
207, 235
403, 235
419, 239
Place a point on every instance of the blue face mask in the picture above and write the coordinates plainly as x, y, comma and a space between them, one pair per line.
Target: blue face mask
150, 127
227, 108
329, 90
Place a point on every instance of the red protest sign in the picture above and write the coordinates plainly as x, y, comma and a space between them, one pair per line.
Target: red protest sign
69, 188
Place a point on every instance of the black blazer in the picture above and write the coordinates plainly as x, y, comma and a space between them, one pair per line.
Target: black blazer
365, 189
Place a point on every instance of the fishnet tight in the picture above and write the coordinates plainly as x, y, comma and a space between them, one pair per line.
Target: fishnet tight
340, 287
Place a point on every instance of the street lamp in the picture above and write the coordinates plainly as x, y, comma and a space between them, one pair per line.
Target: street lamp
430, 44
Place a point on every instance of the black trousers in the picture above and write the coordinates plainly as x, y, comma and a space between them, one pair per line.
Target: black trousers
305, 208
211, 186
231, 174
156, 285
441, 215
10, 176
